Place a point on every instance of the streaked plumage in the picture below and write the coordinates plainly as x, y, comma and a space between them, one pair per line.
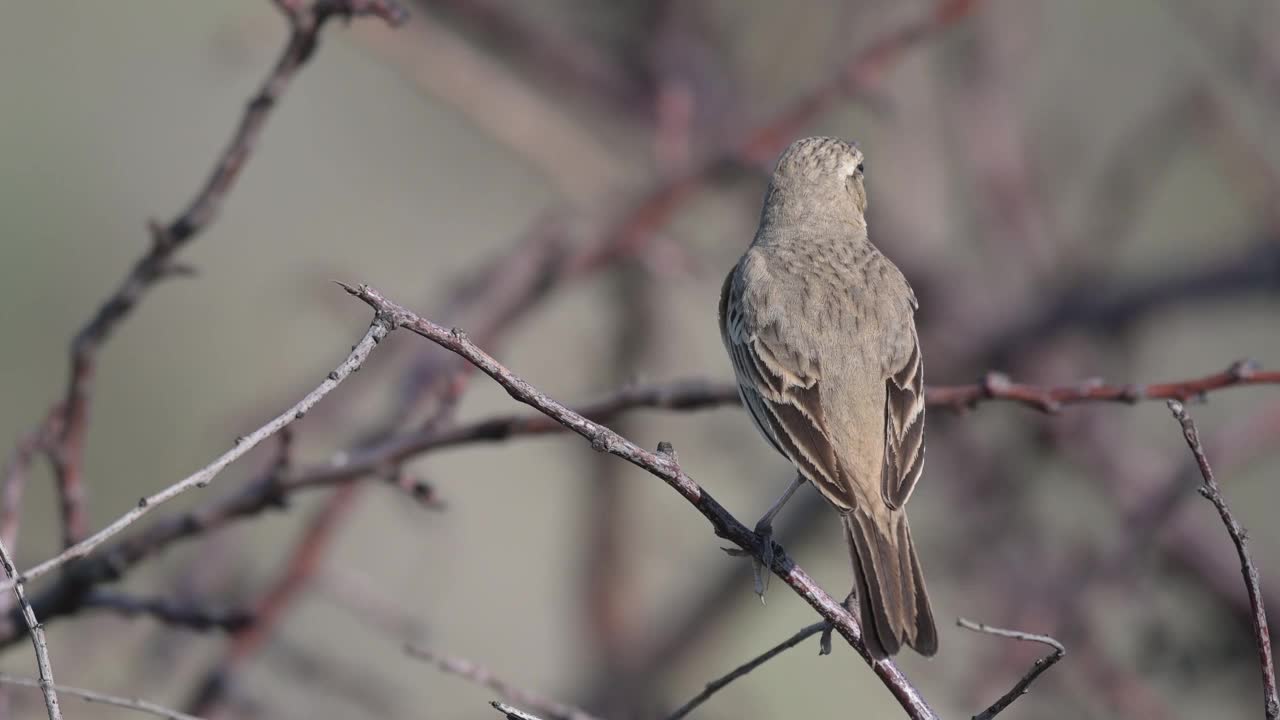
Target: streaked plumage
820, 328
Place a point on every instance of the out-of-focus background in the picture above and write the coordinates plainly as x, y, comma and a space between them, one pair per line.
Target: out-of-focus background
1076, 190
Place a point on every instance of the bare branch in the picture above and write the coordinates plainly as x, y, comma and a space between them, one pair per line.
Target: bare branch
1213, 493
696, 394
996, 386
719, 683
67, 451
482, 676
92, 696
664, 466
43, 665
1020, 688
269, 490
490, 301
206, 475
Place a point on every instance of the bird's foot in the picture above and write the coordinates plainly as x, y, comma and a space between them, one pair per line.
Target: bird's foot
762, 565
824, 640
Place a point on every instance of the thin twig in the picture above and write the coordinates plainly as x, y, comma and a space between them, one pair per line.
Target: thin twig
67, 450
719, 683
482, 676
491, 301
93, 696
1213, 493
681, 395
43, 665
663, 465
206, 475
1019, 688
512, 713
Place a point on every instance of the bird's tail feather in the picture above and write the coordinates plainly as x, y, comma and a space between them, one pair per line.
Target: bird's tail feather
890, 585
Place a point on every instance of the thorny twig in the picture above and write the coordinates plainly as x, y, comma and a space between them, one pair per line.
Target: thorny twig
206, 475
1024, 683
66, 450
269, 490
1213, 493
662, 465
694, 394
494, 299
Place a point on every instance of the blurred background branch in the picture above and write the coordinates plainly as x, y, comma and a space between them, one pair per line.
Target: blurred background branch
1074, 193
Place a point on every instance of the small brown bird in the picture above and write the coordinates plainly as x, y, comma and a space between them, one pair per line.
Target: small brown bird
820, 327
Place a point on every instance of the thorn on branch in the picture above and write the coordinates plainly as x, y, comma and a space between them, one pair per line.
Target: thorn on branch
1133, 394
512, 713
1242, 370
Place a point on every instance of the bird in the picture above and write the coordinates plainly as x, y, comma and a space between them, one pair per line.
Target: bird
820, 328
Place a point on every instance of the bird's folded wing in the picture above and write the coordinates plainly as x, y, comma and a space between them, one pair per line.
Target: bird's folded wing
904, 427
780, 388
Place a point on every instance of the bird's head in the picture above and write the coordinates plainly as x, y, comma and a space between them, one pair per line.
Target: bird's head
823, 176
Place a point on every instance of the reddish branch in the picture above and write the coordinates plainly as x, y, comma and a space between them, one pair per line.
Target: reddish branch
695, 394
1213, 493
66, 451
16, 472
301, 566
269, 490
495, 299
656, 206
663, 465
492, 301
996, 386
556, 57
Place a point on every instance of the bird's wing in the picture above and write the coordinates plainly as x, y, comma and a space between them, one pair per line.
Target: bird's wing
903, 411
779, 386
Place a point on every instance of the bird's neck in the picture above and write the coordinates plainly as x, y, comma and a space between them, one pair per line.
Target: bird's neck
787, 218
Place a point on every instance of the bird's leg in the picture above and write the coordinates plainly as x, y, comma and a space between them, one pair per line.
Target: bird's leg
824, 641
762, 566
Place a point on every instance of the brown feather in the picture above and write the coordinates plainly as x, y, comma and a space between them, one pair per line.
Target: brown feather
812, 296
904, 430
